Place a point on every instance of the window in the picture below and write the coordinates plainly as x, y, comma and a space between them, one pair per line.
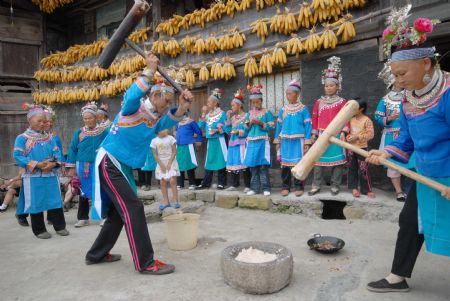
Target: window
274, 86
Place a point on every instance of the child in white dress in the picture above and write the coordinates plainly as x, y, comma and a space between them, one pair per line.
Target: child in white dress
164, 149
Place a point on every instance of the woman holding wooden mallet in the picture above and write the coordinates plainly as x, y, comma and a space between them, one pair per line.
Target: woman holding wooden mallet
425, 129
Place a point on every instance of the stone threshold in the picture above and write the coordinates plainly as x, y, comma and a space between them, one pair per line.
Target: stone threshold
383, 208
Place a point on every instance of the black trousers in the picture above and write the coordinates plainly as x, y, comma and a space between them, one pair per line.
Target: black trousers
56, 216
358, 173
83, 209
125, 209
191, 177
221, 177
286, 177
235, 175
144, 177
409, 241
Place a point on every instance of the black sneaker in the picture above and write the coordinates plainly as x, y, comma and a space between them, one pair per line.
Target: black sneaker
334, 190
108, 258
4, 210
159, 268
383, 286
22, 221
401, 196
220, 187
314, 191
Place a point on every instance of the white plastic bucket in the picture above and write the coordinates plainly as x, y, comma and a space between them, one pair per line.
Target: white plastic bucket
182, 231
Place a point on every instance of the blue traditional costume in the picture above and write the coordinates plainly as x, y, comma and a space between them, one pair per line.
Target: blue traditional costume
325, 109
216, 150
82, 151
40, 189
257, 155
121, 151
425, 129
293, 131
237, 130
186, 155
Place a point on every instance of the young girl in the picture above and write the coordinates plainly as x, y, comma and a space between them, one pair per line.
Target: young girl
235, 127
38, 154
292, 136
259, 122
213, 120
186, 156
165, 151
361, 132
325, 109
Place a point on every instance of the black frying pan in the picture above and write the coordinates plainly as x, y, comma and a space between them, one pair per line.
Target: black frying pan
325, 244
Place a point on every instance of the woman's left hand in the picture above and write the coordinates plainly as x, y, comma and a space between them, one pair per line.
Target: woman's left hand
185, 100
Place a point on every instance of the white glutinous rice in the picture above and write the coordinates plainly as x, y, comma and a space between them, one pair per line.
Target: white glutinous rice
251, 255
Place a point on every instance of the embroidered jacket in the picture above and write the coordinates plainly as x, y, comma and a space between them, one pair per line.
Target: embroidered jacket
84, 145
324, 113
386, 108
294, 122
134, 128
426, 131
237, 130
213, 121
257, 132
31, 147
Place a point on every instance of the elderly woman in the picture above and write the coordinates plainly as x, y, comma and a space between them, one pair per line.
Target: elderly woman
102, 116
83, 148
40, 156
124, 149
213, 121
425, 130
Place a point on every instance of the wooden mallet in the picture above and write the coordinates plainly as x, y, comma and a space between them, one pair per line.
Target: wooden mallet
328, 136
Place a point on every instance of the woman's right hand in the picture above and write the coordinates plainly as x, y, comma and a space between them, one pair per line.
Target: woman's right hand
394, 116
163, 168
151, 61
375, 156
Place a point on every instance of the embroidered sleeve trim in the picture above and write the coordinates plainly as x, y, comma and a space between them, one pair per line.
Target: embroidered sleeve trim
70, 165
379, 113
398, 153
143, 85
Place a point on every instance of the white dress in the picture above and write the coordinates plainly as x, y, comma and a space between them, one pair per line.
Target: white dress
163, 147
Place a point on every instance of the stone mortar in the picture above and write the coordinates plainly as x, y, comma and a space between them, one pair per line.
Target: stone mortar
257, 278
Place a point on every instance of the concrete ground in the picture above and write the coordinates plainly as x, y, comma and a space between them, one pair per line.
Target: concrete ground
33, 269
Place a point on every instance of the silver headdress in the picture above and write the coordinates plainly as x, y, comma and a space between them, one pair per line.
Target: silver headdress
333, 72
386, 75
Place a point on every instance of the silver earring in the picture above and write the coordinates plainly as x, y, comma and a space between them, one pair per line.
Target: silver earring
426, 78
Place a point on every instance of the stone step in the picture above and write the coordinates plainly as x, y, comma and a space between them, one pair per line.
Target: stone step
383, 207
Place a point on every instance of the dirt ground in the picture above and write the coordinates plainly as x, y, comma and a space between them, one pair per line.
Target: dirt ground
33, 269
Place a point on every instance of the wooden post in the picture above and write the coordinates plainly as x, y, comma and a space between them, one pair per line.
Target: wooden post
156, 17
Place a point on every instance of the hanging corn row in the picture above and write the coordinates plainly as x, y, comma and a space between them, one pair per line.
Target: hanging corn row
79, 52
86, 93
122, 66
216, 11
284, 22
230, 39
48, 6
295, 46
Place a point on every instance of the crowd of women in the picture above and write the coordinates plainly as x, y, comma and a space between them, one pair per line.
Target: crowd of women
415, 116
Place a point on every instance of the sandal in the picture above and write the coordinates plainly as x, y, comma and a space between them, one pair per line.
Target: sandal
371, 195
401, 196
356, 193
162, 207
176, 205
159, 268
